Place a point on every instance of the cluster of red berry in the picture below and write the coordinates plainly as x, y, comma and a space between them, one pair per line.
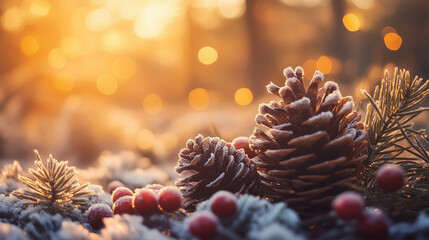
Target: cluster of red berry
144, 201
204, 224
371, 224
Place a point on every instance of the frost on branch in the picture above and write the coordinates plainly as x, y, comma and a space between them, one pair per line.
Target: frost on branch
9, 178
253, 218
54, 187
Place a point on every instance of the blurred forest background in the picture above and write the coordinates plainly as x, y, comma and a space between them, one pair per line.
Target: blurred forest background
82, 76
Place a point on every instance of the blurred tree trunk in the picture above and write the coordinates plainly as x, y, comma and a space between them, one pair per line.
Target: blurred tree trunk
339, 39
260, 54
191, 62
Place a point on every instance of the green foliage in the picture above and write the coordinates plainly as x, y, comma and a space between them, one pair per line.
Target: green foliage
55, 186
391, 137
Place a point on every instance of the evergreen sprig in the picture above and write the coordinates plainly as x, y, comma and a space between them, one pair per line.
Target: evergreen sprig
391, 137
55, 186
11, 171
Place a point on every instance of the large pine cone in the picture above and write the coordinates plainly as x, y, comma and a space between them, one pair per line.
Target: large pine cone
313, 147
208, 165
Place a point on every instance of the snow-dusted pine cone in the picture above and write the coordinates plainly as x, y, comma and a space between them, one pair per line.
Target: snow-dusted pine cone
313, 146
208, 164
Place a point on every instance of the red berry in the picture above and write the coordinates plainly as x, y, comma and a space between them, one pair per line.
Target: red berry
96, 213
223, 204
145, 202
170, 199
243, 143
372, 225
113, 185
121, 192
348, 205
203, 225
123, 205
390, 178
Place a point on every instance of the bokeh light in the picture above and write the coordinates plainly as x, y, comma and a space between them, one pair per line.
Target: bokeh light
152, 104
351, 22
232, 8
114, 41
29, 45
98, 20
64, 81
393, 41
40, 8
324, 64
107, 84
124, 68
12, 19
309, 67
71, 47
364, 4
199, 99
243, 96
56, 58
207, 55
145, 139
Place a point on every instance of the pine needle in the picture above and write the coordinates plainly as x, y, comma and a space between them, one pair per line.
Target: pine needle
55, 186
391, 136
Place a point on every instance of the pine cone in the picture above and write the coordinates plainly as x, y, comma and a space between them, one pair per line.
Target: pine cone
208, 165
313, 146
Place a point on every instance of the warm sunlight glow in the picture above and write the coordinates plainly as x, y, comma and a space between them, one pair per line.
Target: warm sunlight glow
98, 20
107, 84
351, 22
324, 64
64, 81
231, 8
70, 47
198, 99
309, 67
12, 19
152, 104
364, 4
169, 140
40, 8
243, 96
29, 45
153, 18
56, 58
145, 139
114, 41
393, 41
124, 68
207, 55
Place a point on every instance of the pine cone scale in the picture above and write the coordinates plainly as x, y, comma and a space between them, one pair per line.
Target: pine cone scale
313, 145
211, 165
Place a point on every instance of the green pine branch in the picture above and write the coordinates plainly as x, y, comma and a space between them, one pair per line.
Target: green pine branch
391, 137
54, 186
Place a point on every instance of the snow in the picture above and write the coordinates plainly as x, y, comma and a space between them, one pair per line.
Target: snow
302, 103
128, 227
288, 72
332, 98
12, 232
323, 117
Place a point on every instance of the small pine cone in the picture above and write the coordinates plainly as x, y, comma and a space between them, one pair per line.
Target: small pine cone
208, 165
313, 146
